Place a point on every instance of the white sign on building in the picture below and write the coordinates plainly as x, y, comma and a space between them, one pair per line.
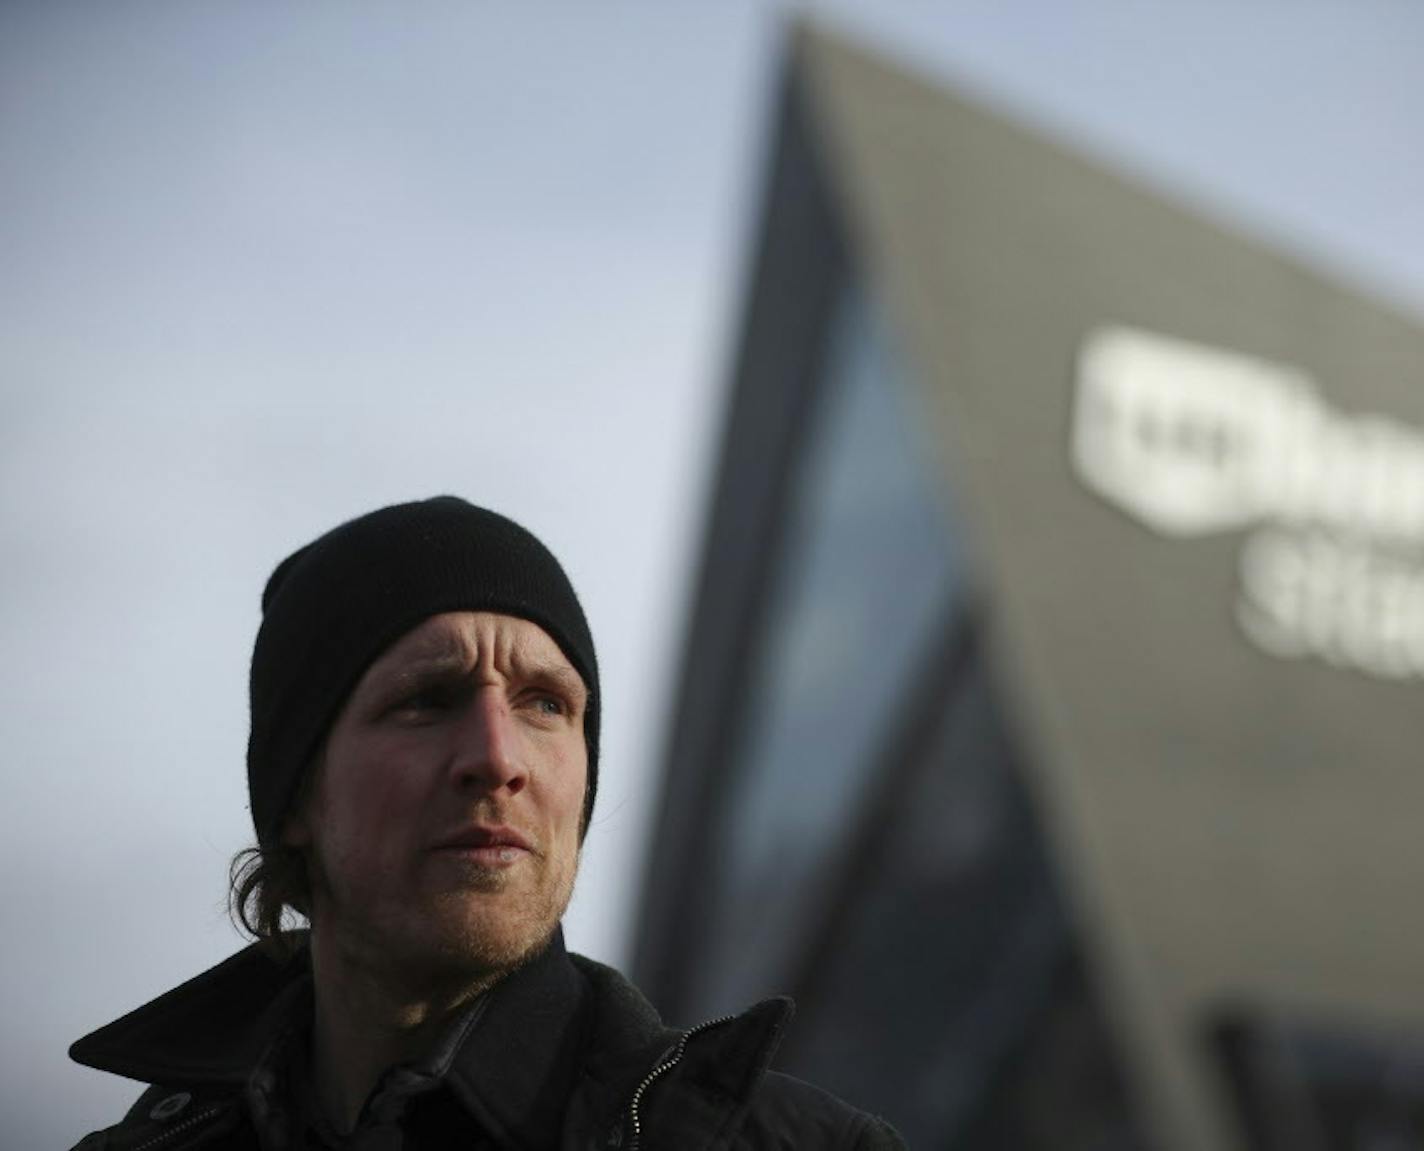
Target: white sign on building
1191, 440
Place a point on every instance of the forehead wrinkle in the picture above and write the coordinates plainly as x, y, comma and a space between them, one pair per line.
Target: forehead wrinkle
508, 645
431, 650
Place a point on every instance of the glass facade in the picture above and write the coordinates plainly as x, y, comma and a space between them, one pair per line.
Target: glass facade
865, 572
951, 993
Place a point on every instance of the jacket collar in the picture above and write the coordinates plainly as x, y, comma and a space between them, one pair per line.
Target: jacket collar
208, 1032
511, 1062
718, 1071
516, 1066
561, 1029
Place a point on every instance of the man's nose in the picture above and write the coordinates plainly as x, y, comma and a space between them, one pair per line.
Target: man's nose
486, 752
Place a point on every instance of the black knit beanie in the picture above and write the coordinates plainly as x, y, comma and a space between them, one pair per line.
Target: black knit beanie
330, 608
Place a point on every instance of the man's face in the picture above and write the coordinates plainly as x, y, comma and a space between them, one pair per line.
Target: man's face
443, 823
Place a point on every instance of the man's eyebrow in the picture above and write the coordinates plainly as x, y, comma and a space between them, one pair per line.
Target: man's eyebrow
557, 674
423, 663
440, 658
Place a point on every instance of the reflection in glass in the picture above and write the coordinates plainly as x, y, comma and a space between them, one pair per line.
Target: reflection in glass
866, 569
950, 998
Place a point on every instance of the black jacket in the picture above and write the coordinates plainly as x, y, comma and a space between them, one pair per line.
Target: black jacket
564, 1054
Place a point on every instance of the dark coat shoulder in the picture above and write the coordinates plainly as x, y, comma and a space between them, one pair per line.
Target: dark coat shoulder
792, 1113
632, 1083
712, 1088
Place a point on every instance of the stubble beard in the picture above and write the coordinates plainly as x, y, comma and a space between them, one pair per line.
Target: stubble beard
471, 933
487, 925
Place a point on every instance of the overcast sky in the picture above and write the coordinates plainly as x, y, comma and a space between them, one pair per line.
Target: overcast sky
263, 267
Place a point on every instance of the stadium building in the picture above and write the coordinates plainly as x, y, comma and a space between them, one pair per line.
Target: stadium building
1049, 721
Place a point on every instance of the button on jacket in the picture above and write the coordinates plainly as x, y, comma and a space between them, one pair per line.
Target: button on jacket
564, 1055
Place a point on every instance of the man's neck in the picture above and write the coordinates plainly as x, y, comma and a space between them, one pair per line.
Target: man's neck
369, 1018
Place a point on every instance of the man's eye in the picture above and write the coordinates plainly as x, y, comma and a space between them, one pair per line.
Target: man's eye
550, 705
428, 699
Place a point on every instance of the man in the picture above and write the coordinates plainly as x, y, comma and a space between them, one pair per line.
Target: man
422, 766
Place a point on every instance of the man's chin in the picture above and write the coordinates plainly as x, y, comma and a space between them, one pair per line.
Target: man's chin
454, 936
473, 937
469, 959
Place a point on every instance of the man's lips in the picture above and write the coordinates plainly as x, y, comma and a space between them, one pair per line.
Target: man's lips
494, 841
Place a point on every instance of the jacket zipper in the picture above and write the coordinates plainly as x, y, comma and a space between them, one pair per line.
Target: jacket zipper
191, 1121
635, 1124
